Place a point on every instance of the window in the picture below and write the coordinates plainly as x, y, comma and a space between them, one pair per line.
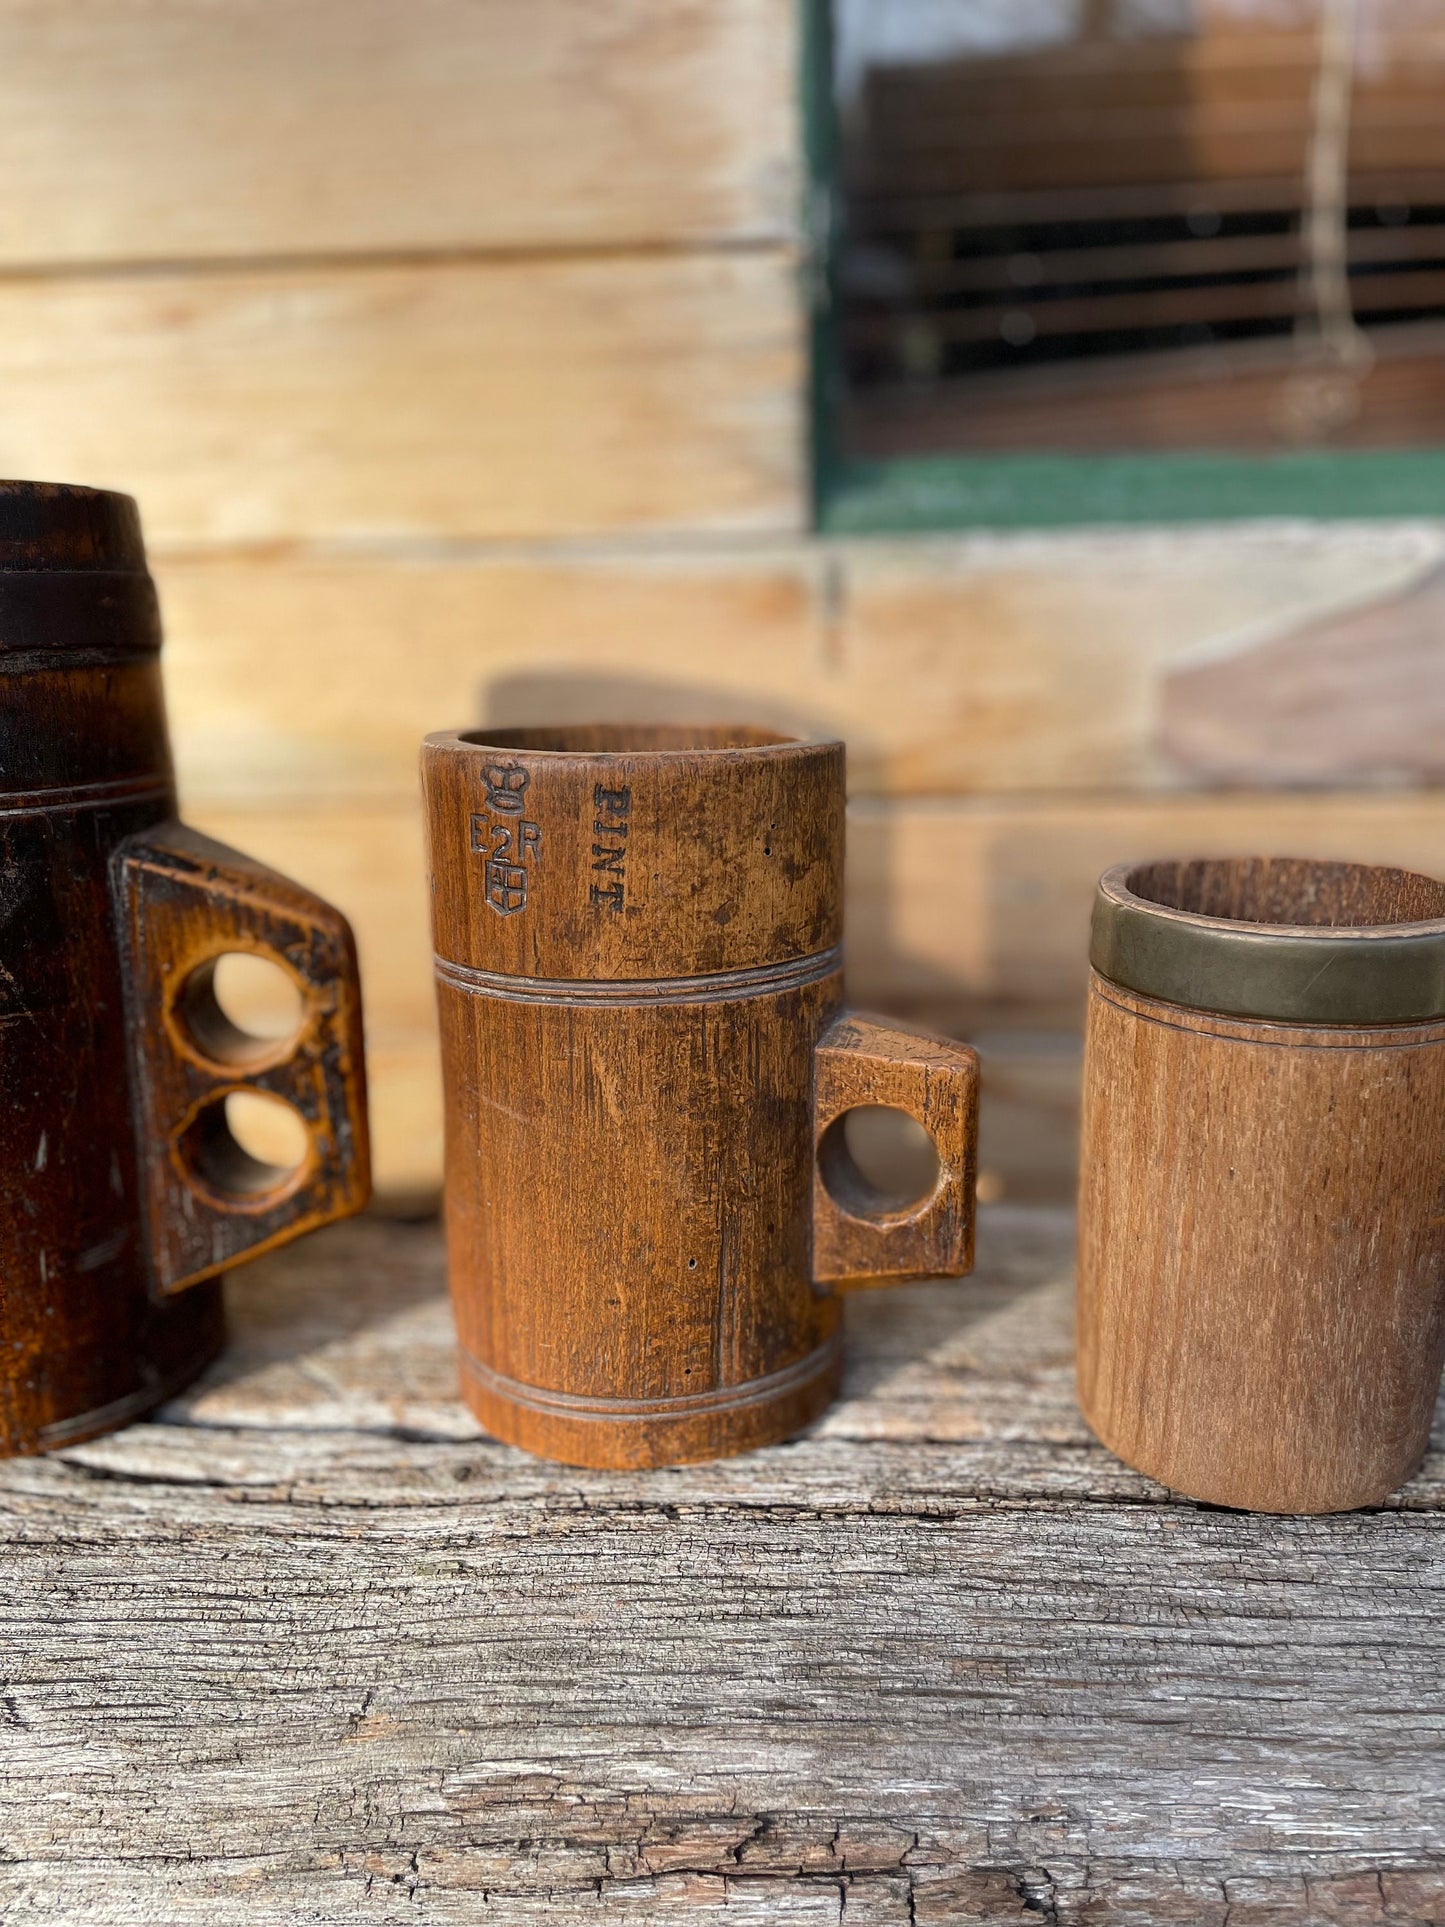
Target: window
1208, 232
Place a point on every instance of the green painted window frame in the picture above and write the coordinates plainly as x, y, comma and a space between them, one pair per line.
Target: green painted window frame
917, 494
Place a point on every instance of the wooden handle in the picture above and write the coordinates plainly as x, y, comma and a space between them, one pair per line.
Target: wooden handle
182, 902
857, 1238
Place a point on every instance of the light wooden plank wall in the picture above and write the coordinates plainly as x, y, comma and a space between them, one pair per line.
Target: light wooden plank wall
458, 400
171, 130
344, 270
455, 352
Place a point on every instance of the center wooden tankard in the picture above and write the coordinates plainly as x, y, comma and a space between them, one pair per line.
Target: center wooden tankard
650, 1200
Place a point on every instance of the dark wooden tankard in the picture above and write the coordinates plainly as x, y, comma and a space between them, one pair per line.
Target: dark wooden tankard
123, 1193
650, 1199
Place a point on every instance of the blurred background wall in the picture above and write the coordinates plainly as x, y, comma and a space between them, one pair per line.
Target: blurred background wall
457, 353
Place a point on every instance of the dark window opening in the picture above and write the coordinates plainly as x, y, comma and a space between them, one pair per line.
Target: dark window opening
1146, 225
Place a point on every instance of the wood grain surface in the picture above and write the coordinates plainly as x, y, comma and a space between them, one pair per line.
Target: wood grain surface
867, 1233
380, 400
1261, 1310
239, 127
311, 1648
184, 903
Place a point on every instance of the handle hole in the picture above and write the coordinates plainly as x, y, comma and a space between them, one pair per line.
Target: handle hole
246, 1143
877, 1161
241, 1008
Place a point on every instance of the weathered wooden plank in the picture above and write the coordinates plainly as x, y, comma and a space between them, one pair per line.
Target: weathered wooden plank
971, 914
498, 399
167, 130
310, 1647
1361, 690
963, 665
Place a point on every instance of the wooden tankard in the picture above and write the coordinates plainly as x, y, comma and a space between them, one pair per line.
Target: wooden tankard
1261, 1311
123, 1194
647, 1065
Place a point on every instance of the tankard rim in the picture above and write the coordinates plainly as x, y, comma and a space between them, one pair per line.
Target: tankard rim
631, 741
1377, 972
60, 527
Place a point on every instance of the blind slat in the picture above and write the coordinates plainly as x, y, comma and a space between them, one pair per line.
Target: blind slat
961, 206
1024, 270
1158, 308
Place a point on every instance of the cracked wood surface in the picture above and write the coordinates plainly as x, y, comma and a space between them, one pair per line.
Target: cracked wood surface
310, 1648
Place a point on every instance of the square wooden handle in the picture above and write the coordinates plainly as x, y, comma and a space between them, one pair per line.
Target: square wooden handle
856, 1240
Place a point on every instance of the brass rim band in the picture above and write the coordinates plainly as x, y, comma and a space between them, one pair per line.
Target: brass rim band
1290, 973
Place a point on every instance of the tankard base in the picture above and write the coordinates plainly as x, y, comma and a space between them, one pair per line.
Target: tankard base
1223, 1485
172, 1367
636, 1435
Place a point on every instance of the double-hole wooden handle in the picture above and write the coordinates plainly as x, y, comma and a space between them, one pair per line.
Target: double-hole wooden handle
182, 902
856, 1240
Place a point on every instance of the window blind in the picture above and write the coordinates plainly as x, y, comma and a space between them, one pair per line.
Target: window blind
1228, 237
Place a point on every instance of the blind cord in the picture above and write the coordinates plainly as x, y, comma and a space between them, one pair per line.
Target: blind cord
1327, 395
